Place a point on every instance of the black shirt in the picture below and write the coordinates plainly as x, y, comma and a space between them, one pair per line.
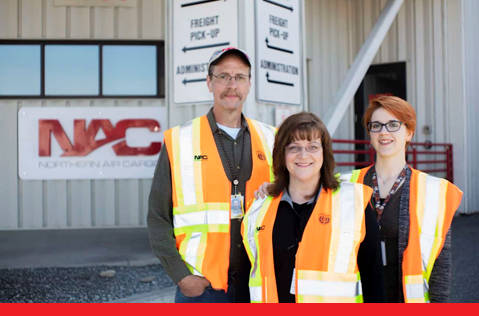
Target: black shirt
390, 236
288, 229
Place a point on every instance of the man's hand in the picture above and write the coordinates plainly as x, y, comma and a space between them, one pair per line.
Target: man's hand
193, 285
262, 191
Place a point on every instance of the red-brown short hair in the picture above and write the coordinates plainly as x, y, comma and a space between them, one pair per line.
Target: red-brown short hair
302, 126
398, 107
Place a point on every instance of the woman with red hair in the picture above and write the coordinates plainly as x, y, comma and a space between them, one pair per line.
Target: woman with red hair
414, 210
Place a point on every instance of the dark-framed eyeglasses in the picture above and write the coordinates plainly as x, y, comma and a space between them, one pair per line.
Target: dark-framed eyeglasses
294, 149
391, 126
225, 78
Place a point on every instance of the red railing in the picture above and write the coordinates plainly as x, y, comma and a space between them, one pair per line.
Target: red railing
415, 155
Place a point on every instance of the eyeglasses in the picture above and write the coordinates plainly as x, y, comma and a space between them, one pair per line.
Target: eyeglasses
391, 126
296, 149
225, 79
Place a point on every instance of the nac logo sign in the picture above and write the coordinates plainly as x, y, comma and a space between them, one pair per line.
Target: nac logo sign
84, 137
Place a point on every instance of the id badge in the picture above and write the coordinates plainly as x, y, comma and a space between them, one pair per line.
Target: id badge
383, 251
237, 210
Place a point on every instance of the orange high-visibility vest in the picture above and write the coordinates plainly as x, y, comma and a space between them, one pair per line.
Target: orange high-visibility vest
432, 204
202, 194
326, 267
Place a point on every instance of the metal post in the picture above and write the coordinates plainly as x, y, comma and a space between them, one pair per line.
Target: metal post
350, 85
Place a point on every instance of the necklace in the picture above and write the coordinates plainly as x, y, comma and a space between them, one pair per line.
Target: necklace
380, 207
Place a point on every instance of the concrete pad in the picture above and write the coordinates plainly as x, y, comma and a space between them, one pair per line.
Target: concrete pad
75, 248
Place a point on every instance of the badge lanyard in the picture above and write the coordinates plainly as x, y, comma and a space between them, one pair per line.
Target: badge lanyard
235, 211
380, 207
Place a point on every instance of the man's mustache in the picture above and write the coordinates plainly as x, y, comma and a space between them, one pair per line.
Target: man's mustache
224, 94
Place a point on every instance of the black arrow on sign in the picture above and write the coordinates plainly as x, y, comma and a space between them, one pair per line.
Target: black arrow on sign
278, 48
197, 2
185, 49
186, 81
279, 82
279, 5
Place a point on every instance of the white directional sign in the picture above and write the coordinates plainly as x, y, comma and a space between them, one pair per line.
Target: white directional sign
199, 28
278, 42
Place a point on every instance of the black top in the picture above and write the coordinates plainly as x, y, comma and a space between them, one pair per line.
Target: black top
289, 226
389, 235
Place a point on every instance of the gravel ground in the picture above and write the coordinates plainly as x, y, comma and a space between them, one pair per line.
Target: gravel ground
78, 285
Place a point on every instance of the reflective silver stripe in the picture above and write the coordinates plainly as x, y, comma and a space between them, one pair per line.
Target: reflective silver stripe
268, 135
192, 251
328, 288
429, 222
252, 218
186, 162
211, 217
415, 291
348, 220
255, 293
346, 177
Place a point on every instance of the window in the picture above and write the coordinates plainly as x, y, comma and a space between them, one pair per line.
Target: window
82, 69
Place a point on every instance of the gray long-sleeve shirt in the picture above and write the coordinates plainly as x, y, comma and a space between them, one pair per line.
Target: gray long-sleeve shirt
160, 206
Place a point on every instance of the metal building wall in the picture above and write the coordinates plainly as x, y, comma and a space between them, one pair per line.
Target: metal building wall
64, 204
471, 40
427, 36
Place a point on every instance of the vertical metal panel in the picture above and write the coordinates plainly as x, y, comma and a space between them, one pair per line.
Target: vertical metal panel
152, 19
471, 23
103, 25
8, 165
31, 210
127, 192
56, 192
8, 19
79, 22
127, 23
31, 18
55, 20
79, 192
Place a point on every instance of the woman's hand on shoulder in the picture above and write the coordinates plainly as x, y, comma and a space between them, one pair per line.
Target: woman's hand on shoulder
262, 192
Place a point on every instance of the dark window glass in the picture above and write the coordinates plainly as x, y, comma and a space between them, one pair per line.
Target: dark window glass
72, 70
20, 70
129, 70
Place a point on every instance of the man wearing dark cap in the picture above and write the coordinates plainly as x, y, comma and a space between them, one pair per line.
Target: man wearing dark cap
204, 165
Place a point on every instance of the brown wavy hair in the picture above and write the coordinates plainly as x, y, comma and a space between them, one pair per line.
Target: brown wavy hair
302, 126
397, 107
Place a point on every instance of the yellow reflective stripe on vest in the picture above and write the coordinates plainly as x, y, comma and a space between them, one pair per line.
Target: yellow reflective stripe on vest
350, 176
252, 220
431, 218
347, 230
192, 251
317, 286
416, 289
266, 134
190, 191
210, 217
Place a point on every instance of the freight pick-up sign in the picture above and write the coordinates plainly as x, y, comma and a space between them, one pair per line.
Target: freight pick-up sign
278, 42
199, 28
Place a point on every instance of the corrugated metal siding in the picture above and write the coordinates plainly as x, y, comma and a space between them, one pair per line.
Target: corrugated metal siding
62, 204
471, 22
422, 36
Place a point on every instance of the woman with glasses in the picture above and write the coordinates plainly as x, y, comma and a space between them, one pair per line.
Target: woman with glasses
310, 240
414, 210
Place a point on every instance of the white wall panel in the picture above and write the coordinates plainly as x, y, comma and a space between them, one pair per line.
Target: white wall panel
55, 20
31, 18
8, 165
9, 19
471, 12
61, 204
31, 209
